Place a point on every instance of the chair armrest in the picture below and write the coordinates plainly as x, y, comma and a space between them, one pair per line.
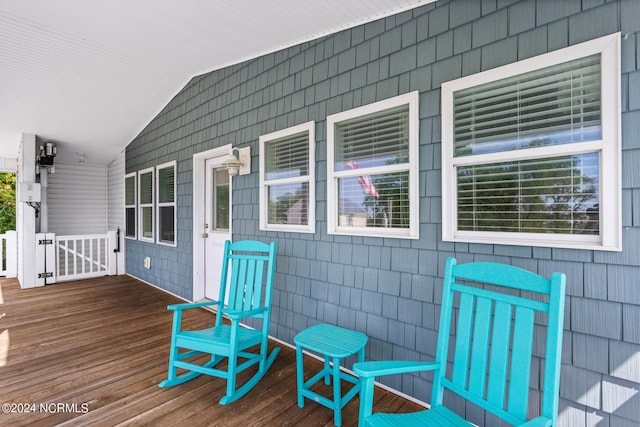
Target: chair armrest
192, 305
237, 314
367, 371
374, 369
538, 422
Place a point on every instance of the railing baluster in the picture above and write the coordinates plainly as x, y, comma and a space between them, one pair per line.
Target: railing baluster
91, 256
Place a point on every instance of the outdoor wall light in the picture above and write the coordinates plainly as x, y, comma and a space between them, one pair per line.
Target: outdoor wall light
239, 162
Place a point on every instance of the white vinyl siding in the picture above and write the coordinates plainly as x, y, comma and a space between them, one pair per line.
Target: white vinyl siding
77, 199
130, 206
531, 151
372, 169
166, 203
145, 205
287, 179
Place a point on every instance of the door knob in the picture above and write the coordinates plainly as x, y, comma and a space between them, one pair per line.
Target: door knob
205, 235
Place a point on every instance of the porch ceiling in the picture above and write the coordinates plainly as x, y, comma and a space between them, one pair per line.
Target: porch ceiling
91, 75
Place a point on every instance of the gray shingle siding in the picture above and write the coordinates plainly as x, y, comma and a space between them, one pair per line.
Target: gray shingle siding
390, 288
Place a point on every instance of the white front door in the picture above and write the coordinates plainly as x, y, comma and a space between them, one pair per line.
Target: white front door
217, 223
211, 220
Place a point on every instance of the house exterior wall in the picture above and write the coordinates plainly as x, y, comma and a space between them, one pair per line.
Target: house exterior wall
77, 199
390, 288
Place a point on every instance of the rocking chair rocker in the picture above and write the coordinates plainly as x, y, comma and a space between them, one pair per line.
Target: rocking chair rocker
251, 265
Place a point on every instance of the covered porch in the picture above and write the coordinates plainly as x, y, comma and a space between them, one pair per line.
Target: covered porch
94, 351
104, 342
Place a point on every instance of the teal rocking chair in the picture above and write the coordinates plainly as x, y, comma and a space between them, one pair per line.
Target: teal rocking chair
497, 312
247, 269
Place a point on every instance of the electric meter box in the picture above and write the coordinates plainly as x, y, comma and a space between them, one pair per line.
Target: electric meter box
30, 192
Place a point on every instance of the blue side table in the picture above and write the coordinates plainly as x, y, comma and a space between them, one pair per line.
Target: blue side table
333, 343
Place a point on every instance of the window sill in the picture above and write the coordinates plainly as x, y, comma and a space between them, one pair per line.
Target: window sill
535, 240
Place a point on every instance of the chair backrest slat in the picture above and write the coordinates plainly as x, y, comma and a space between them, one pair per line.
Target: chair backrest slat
235, 272
521, 362
241, 285
250, 287
497, 385
480, 346
463, 338
259, 278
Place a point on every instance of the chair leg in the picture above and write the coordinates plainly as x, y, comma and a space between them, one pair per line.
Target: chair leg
327, 369
300, 375
171, 375
172, 378
337, 409
232, 372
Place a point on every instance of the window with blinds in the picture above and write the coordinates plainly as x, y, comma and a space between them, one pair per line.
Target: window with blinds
559, 104
372, 169
166, 204
532, 157
287, 179
130, 205
145, 205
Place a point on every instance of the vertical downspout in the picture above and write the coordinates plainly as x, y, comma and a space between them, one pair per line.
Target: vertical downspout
44, 209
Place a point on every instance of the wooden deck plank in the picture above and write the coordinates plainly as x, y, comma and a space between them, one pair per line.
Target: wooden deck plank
105, 343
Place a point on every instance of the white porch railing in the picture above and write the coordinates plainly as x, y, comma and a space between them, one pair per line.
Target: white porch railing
9, 253
81, 257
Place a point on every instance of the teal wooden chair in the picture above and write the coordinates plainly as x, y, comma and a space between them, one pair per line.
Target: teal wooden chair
247, 269
492, 308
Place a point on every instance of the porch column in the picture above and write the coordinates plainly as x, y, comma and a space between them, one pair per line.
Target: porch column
44, 207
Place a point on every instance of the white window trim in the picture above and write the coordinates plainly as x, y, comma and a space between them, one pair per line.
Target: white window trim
412, 99
160, 205
134, 206
310, 178
609, 147
146, 205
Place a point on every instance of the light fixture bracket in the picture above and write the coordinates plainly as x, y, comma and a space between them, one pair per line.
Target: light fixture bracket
239, 162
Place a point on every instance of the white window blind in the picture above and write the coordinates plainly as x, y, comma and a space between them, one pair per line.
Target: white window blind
166, 204
552, 195
166, 184
378, 139
372, 169
287, 157
130, 205
287, 179
559, 104
145, 203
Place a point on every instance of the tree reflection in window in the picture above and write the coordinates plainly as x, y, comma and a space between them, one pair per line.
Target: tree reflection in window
288, 204
553, 195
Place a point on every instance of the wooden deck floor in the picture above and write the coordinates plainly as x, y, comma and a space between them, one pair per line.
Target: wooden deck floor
94, 351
